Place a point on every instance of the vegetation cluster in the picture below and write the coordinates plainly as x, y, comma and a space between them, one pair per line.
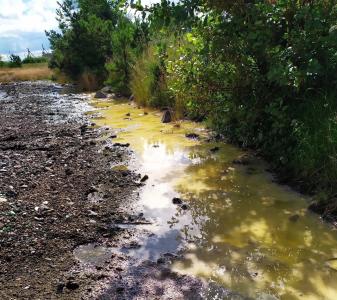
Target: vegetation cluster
15, 61
261, 73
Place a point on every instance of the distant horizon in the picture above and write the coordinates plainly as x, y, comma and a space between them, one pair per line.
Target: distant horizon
23, 54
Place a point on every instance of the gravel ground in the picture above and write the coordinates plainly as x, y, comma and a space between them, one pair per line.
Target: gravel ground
58, 193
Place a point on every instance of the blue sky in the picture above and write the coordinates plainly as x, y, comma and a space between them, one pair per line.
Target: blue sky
23, 22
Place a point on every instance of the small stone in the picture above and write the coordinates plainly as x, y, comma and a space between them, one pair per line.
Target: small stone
106, 89
160, 261
60, 288
184, 207
121, 145
192, 136
72, 285
145, 178
68, 172
177, 201
294, 218
92, 213
3, 200
167, 117
242, 160
100, 95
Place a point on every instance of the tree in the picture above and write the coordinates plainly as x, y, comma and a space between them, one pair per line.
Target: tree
84, 43
122, 56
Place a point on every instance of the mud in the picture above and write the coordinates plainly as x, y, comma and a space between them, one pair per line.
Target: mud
59, 193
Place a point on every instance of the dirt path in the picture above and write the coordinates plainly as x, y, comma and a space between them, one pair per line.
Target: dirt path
57, 192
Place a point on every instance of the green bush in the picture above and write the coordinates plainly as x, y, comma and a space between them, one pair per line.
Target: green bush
264, 76
263, 73
15, 61
148, 79
34, 60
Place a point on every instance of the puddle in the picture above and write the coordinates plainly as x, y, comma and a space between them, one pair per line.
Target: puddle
93, 255
240, 230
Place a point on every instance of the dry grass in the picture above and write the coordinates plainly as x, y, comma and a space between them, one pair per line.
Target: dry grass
88, 82
27, 72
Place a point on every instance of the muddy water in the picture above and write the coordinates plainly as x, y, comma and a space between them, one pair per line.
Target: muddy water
241, 230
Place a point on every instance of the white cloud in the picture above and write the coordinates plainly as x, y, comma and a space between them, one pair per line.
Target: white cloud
23, 22
27, 16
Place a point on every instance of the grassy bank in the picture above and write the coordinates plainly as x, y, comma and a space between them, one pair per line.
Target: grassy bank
36, 71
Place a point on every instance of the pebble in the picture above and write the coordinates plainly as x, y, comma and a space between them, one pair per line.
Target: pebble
145, 178
177, 201
3, 200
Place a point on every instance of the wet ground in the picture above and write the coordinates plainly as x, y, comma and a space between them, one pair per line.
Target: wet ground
61, 204
103, 201
221, 212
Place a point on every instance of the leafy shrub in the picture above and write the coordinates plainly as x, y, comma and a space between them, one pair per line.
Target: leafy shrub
15, 61
148, 79
34, 60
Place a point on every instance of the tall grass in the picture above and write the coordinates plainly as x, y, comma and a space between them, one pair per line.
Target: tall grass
142, 77
29, 72
88, 81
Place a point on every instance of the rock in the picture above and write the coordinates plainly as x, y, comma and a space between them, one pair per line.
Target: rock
100, 95
3, 200
145, 178
83, 129
294, 218
68, 172
177, 201
113, 136
242, 160
215, 149
106, 89
160, 260
91, 190
167, 117
11, 194
121, 145
184, 207
92, 213
120, 290
60, 288
128, 114
192, 136
72, 285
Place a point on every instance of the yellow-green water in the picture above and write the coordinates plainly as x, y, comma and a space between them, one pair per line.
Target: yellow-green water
241, 230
